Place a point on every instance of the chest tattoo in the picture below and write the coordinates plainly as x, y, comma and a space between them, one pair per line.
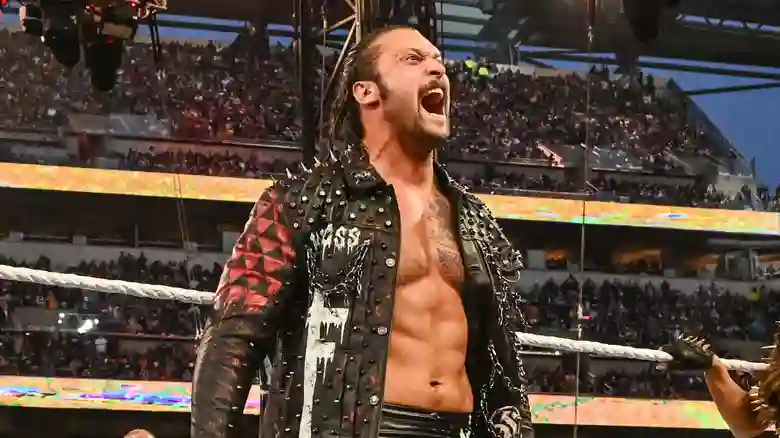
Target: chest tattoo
442, 241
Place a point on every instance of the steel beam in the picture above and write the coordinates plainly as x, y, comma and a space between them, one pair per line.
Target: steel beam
726, 26
670, 65
427, 22
357, 22
733, 89
305, 48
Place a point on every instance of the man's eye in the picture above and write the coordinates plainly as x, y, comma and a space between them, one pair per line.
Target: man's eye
413, 58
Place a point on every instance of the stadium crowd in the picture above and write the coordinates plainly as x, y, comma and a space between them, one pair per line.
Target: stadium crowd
207, 93
620, 312
210, 93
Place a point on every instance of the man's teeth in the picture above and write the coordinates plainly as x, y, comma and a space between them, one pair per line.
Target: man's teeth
437, 91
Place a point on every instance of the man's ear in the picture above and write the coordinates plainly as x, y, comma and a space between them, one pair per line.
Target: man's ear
365, 92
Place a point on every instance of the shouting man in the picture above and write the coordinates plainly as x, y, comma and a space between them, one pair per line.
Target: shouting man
386, 286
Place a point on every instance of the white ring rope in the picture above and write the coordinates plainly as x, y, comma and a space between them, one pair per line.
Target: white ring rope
607, 350
140, 290
159, 292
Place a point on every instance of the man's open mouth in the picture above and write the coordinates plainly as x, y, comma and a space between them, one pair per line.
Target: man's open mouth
433, 101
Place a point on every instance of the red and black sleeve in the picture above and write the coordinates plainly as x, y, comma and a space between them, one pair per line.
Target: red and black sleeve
255, 285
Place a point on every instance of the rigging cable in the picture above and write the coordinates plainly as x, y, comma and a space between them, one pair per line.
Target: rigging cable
181, 211
591, 24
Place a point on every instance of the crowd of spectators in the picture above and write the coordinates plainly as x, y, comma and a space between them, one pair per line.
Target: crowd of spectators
207, 92
202, 93
647, 315
215, 164
653, 314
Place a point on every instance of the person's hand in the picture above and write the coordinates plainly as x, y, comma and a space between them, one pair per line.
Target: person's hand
690, 353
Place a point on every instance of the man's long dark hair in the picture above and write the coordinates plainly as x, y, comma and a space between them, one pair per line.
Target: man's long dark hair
359, 65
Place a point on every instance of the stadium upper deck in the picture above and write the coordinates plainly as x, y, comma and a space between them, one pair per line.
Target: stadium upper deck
125, 211
645, 148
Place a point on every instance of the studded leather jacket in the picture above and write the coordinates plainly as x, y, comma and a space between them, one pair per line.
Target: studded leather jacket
314, 273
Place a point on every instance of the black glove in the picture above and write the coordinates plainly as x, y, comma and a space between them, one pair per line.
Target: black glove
690, 353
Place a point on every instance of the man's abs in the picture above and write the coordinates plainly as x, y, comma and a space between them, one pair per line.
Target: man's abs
427, 360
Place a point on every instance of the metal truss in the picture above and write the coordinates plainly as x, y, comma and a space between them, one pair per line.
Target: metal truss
573, 56
359, 25
316, 23
727, 26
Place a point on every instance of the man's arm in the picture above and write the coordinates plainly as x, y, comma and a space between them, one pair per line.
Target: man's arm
247, 311
733, 402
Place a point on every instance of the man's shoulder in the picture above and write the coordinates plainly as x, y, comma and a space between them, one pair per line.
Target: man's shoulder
303, 195
474, 206
479, 222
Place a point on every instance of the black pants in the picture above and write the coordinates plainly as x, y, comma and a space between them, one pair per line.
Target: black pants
406, 422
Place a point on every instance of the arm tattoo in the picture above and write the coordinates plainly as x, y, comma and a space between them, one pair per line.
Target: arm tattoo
443, 240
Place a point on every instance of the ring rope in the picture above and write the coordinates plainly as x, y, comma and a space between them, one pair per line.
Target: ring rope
159, 292
140, 290
607, 350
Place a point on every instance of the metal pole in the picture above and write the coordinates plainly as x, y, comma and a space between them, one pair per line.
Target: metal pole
592, 5
304, 54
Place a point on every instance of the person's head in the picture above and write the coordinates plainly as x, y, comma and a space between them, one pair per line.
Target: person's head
139, 433
394, 84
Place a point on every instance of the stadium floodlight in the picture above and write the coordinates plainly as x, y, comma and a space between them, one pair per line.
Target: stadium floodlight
98, 27
61, 35
103, 58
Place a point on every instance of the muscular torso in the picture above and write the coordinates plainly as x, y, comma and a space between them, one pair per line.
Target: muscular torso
427, 360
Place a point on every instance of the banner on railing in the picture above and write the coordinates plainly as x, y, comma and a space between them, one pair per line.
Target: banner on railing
529, 208
117, 395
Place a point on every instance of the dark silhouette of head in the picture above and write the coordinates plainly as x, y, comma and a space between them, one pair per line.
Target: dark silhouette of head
139, 433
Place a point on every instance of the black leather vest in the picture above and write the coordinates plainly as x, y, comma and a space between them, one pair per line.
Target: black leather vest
315, 271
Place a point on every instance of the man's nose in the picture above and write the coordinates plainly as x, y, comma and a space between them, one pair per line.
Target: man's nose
436, 68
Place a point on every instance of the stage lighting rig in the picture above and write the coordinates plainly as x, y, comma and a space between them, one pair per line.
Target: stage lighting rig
61, 35
99, 28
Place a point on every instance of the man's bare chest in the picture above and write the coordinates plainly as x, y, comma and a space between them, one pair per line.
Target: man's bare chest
429, 245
